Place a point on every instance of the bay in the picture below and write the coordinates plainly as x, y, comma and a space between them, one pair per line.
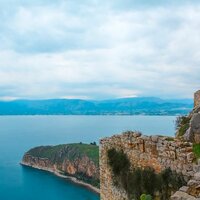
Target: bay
20, 133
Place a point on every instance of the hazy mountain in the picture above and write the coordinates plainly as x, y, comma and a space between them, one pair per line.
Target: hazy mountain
122, 106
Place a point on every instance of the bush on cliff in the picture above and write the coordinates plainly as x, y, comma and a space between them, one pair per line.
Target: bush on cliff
182, 124
134, 182
139, 181
118, 161
168, 182
120, 167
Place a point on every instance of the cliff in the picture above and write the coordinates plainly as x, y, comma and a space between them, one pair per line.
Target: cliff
156, 152
197, 98
80, 161
188, 126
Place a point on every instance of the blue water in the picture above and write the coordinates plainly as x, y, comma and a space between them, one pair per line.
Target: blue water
20, 133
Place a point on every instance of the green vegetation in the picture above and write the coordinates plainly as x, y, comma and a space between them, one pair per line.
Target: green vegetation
182, 124
139, 181
170, 138
145, 197
118, 161
90, 150
58, 153
196, 150
93, 143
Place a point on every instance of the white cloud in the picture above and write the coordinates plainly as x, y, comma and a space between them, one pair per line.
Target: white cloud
100, 51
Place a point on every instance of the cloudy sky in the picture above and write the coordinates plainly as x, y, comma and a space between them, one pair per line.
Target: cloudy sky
99, 49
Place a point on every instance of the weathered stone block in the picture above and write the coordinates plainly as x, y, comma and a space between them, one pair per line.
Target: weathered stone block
182, 196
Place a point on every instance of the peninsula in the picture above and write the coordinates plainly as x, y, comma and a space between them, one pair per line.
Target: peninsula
76, 162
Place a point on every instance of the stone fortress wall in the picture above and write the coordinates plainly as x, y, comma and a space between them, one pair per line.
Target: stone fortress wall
157, 152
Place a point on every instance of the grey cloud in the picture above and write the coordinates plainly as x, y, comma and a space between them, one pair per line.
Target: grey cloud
99, 49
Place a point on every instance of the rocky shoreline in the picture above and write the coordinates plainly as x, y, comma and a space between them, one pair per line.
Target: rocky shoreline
57, 173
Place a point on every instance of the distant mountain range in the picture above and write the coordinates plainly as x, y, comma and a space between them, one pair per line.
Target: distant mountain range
122, 106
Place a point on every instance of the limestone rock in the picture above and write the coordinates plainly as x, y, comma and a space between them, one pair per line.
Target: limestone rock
182, 196
197, 98
193, 132
70, 159
197, 176
188, 135
195, 127
184, 189
154, 138
190, 156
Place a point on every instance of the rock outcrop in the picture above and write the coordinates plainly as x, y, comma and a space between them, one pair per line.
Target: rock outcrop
189, 126
189, 192
197, 98
75, 160
195, 127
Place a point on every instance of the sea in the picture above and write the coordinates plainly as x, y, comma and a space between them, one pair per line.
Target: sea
20, 133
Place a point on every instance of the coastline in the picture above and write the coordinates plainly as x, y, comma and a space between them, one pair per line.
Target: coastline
57, 173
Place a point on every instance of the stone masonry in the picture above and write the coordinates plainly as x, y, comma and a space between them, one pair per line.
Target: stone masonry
157, 152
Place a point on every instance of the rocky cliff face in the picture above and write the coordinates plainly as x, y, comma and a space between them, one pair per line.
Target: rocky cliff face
192, 133
76, 160
197, 98
189, 192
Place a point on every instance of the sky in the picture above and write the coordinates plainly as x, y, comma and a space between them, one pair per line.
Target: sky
99, 49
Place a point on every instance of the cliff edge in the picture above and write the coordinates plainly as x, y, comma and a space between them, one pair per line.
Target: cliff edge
188, 126
79, 162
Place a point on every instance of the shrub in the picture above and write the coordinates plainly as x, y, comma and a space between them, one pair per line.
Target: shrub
182, 124
135, 183
145, 197
170, 138
118, 161
149, 181
93, 143
120, 167
196, 150
169, 181
148, 197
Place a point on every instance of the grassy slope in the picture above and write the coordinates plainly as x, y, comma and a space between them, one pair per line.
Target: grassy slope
71, 151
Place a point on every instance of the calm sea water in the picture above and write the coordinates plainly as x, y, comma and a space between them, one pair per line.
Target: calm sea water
20, 133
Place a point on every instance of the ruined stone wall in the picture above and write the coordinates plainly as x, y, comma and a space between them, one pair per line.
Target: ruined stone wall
145, 151
197, 98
